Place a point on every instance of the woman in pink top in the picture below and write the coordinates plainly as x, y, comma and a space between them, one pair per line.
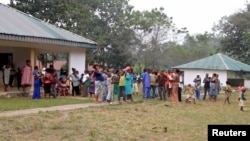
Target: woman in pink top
26, 76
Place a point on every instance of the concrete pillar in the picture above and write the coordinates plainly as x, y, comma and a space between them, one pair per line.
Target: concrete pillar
32, 62
77, 60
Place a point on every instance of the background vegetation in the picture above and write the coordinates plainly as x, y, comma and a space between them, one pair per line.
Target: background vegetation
150, 38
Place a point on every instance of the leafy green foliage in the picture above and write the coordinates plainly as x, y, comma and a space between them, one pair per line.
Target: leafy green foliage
234, 32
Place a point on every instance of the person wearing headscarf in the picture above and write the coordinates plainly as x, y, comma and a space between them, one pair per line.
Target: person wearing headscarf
128, 83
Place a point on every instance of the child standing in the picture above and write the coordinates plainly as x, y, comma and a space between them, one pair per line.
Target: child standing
228, 90
62, 87
67, 82
242, 99
240, 88
190, 95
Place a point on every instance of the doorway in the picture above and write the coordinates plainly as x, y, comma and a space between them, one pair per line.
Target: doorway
4, 58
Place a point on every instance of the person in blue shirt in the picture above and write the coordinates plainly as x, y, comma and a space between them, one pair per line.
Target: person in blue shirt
97, 75
146, 84
37, 84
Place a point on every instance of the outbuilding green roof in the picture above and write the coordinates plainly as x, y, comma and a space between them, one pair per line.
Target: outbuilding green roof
19, 26
218, 61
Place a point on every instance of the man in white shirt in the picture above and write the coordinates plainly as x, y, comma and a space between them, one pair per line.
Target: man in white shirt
181, 85
75, 81
197, 84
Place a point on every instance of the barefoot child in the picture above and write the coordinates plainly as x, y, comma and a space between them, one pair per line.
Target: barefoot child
228, 90
242, 99
240, 88
190, 94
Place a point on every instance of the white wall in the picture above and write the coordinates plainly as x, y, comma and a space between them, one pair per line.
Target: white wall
247, 84
77, 60
189, 75
20, 55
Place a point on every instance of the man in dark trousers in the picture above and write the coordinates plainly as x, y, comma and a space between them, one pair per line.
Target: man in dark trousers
206, 82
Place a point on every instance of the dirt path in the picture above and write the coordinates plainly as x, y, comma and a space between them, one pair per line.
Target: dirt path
54, 108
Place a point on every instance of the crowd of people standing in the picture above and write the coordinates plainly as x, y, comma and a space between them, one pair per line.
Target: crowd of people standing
105, 84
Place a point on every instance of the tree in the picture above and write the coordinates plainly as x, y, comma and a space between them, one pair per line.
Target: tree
152, 29
234, 30
202, 45
106, 22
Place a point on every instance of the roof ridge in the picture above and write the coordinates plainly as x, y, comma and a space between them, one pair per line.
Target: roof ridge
219, 54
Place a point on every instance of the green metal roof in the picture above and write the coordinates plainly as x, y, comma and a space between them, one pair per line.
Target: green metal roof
216, 62
18, 26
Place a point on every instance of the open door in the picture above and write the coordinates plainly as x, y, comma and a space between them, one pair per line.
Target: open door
4, 58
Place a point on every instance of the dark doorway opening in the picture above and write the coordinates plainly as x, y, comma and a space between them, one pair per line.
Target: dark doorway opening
4, 58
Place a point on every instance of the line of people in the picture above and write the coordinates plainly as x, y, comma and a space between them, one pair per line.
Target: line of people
169, 84
104, 85
124, 83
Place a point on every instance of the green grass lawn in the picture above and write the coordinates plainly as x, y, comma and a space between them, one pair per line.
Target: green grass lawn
139, 121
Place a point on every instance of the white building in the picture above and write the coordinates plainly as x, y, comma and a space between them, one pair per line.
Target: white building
23, 36
218, 63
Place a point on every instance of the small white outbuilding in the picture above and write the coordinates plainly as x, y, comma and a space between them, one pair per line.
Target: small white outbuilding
217, 63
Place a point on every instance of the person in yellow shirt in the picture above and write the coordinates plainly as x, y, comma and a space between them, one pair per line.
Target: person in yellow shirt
190, 94
122, 87
228, 90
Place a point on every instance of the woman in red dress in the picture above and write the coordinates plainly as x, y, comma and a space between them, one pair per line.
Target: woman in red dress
175, 86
